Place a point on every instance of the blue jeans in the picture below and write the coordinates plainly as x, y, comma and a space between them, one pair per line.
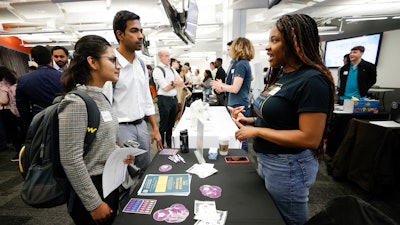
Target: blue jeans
288, 178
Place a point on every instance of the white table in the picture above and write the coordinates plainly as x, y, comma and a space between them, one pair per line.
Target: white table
220, 123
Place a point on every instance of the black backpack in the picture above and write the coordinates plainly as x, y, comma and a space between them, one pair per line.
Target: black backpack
46, 184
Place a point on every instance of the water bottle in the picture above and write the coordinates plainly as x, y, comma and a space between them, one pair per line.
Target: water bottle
184, 141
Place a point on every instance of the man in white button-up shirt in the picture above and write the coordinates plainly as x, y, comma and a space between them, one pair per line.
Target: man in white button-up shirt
167, 80
130, 96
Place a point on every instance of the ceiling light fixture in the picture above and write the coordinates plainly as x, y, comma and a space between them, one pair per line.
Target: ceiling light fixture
31, 45
33, 33
335, 32
365, 19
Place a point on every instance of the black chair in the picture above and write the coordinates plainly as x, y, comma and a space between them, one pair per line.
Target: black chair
395, 112
350, 210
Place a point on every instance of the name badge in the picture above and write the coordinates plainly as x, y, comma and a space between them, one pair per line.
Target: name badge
345, 72
232, 71
274, 91
106, 115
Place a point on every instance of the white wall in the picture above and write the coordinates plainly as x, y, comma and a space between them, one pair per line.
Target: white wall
389, 62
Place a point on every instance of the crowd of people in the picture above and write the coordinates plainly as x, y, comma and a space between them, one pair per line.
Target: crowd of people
287, 122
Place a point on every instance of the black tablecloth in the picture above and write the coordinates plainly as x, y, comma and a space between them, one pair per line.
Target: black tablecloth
368, 156
338, 127
243, 193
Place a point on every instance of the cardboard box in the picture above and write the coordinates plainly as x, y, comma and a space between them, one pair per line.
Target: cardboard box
363, 106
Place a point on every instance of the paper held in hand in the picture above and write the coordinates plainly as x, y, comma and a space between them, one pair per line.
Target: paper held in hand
115, 169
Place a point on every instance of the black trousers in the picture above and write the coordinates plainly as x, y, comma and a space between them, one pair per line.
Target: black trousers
81, 216
168, 108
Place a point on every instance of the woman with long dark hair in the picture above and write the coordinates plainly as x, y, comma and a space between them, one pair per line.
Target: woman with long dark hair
93, 64
293, 113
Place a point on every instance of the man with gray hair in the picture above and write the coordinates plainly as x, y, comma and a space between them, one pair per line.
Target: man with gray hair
167, 80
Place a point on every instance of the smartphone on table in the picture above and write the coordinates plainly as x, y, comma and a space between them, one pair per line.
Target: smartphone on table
236, 159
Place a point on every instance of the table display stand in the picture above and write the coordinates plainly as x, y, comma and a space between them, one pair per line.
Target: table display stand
199, 149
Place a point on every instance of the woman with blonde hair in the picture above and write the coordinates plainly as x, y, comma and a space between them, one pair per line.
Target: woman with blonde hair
239, 77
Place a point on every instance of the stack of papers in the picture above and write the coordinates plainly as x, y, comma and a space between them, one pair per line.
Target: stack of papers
166, 184
206, 213
202, 170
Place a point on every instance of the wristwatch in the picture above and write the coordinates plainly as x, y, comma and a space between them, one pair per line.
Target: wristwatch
172, 83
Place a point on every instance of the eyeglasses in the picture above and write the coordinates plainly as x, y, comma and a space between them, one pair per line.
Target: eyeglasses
112, 59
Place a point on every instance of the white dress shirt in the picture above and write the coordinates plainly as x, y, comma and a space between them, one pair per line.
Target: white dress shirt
131, 99
162, 82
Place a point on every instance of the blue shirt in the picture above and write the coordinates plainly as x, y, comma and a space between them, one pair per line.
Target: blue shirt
352, 84
37, 90
243, 70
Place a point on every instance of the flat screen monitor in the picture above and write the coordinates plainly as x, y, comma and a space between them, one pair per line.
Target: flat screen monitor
174, 17
191, 21
336, 49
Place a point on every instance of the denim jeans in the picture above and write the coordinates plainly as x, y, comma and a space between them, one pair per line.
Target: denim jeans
288, 178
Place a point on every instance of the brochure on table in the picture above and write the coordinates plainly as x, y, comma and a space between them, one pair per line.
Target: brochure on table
166, 184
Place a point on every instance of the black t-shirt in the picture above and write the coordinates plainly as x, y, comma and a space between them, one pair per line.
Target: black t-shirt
278, 107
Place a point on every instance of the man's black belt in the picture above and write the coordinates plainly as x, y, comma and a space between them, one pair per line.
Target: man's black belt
136, 122
165, 96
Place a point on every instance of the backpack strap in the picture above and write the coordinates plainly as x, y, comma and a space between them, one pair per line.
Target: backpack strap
162, 69
93, 119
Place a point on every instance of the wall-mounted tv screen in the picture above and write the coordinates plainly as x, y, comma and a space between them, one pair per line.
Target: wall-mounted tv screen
191, 21
272, 3
336, 49
174, 19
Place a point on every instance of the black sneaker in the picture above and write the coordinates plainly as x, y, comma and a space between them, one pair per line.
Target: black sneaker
15, 158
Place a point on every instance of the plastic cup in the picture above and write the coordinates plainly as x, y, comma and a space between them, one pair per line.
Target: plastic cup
223, 145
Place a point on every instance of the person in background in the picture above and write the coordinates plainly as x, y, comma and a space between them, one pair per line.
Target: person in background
60, 57
221, 75
152, 85
9, 115
197, 79
36, 90
167, 100
130, 96
213, 70
94, 63
346, 59
357, 76
176, 65
238, 87
181, 92
32, 66
189, 74
206, 83
293, 113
